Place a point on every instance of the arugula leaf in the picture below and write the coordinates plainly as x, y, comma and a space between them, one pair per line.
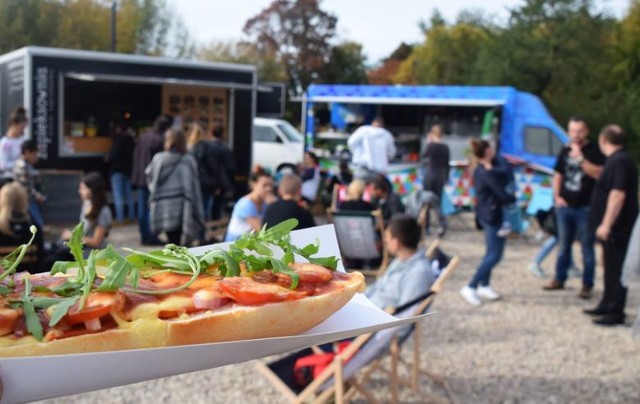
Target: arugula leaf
45, 302
282, 229
119, 270
163, 258
255, 263
75, 247
11, 262
173, 255
279, 266
61, 309
288, 257
310, 249
61, 267
89, 278
69, 288
228, 266
5, 290
327, 262
31, 318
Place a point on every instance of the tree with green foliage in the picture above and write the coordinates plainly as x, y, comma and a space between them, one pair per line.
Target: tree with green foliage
447, 56
142, 26
268, 67
347, 64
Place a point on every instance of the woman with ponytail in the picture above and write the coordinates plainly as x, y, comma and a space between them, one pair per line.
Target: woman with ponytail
489, 178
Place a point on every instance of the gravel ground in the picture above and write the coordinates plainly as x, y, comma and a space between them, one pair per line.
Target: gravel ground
531, 346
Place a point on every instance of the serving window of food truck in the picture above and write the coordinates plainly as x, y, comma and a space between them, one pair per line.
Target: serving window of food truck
93, 108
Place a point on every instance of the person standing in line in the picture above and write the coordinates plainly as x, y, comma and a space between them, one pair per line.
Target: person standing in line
226, 171
491, 196
436, 172
199, 145
578, 166
175, 202
10, 144
120, 159
614, 208
372, 146
25, 173
289, 205
150, 143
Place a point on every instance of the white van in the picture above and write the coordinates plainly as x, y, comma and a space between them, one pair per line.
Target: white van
277, 145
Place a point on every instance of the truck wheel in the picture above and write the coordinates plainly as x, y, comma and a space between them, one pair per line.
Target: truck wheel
285, 169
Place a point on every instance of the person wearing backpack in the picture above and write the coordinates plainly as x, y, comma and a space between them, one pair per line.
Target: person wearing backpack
175, 202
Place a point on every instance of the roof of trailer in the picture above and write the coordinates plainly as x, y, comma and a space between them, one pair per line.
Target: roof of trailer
128, 58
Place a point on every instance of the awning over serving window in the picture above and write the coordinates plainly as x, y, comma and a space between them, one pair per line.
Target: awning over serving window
116, 78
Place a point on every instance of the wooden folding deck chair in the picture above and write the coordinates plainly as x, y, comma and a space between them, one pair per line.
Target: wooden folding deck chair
347, 365
359, 236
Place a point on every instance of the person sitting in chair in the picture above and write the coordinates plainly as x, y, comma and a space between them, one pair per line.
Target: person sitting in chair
387, 200
354, 201
410, 274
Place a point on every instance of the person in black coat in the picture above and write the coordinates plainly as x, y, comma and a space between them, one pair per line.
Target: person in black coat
288, 206
491, 197
120, 159
614, 208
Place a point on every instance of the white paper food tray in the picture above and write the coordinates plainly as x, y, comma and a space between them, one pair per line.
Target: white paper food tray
35, 378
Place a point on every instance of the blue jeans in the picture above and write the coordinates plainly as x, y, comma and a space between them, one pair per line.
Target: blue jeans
572, 223
495, 248
207, 203
122, 192
36, 214
144, 223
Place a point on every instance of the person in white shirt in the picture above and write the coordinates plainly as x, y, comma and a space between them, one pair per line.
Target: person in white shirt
372, 146
11, 143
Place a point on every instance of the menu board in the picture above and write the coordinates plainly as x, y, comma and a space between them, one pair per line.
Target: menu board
207, 106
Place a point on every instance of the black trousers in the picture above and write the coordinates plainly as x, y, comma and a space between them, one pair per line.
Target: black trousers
615, 295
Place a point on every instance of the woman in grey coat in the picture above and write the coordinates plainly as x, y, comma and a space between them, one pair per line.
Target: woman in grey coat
175, 199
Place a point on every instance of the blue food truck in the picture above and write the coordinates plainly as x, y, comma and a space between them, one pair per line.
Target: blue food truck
518, 122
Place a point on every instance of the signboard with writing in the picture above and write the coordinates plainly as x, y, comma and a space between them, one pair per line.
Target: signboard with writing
63, 203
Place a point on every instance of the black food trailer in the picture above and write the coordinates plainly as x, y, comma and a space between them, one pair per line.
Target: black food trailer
74, 97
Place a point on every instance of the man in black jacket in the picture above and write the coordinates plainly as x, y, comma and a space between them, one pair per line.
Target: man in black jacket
614, 208
288, 206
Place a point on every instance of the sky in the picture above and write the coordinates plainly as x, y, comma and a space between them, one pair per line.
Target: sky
379, 25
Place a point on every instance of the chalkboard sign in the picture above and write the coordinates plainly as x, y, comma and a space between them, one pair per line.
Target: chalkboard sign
63, 203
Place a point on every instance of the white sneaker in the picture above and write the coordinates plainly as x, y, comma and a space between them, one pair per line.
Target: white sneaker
469, 294
487, 293
504, 232
537, 270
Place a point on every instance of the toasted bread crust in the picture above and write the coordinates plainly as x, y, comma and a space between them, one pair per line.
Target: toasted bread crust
237, 323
